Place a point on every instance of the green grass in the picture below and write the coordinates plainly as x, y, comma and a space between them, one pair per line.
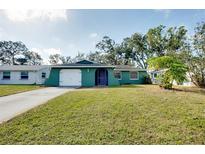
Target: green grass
13, 89
127, 115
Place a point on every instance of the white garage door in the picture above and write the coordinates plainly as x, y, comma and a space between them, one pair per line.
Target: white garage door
70, 77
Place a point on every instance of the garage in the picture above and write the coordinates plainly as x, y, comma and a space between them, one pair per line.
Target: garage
70, 77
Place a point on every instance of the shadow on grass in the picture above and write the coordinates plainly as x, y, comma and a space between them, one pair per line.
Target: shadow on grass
127, 86
190, 89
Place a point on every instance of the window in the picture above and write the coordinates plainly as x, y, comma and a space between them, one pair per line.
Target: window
43, 75
117, 74
133, 75
24, 75
6, 75
155, 75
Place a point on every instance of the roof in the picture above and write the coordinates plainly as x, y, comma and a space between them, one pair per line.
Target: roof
79, 64
22, 67
83, 64
128, 68
157, 71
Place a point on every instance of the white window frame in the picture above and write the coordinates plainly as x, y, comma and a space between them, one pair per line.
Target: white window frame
137, 78
154, 75
120, 75
21, 75
9, 75
42, 75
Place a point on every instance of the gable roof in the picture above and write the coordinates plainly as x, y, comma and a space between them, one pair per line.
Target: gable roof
22, 67
85, 62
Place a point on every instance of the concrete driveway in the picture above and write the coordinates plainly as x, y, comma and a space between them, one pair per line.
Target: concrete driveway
13, 105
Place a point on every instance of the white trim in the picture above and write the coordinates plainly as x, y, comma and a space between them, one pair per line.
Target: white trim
6, 78
120, 75
134, 78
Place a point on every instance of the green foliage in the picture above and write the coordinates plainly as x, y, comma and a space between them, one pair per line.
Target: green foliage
172, 69
147, 79
156, 40
140, 52
138, 48
165, 80
194, 56
109, 47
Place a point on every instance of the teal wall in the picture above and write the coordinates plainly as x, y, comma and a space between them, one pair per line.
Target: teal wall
53, 79
125, 78
88, 77
112, 81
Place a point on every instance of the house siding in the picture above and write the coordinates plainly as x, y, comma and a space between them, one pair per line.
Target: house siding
88, 77
125, 78
34, 77
112, 81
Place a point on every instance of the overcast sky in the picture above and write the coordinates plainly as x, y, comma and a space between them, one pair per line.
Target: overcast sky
71, 31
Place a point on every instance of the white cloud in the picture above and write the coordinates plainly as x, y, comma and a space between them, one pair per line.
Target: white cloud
93, 35
165, 12
46, 52
30, 15
1, 33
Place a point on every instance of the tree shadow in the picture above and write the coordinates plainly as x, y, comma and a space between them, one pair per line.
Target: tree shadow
128, 86
190, 89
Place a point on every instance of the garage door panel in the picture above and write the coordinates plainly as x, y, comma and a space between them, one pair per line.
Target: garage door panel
70, 77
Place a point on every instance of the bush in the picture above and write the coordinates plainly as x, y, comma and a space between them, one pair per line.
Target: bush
165, 81
147, 79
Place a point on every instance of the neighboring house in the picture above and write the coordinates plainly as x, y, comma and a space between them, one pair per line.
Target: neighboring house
23, 74
155, 73
82, 74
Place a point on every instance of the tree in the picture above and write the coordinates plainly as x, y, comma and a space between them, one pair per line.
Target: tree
98, 57
9, 50
21, 61
139, 50
175, 40
172, 70
156, 40
59, 59
125, 52
32, 58
169, 41
65, 60
54, 59
109, 47
79, 57
194, 56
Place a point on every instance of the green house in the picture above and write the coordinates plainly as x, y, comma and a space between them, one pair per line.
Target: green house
88, 74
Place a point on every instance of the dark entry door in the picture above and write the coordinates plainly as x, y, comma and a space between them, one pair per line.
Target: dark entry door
101, 77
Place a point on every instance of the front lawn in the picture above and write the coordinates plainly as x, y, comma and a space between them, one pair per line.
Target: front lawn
13, 89
143, 114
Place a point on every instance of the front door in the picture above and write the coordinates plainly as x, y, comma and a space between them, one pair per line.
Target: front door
101, 77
